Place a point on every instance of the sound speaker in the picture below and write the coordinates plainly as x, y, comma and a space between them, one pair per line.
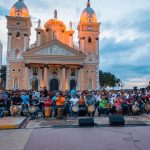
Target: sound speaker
86, 122
116, 120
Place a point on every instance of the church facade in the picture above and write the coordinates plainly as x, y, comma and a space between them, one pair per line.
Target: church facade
53, 61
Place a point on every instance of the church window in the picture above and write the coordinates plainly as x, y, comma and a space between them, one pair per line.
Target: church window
90, 84
73, 72
89, 39
35, 71
18, 35
15, 83
17, 53
18, 23
18, 14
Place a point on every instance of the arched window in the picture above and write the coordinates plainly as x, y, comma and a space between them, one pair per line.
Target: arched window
90, 84
15, 83
89, 39
17, 54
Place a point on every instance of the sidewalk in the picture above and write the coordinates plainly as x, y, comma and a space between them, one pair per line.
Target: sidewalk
11, 122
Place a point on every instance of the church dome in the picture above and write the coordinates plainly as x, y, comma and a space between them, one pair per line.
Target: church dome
88, 14
19, 9
55, 23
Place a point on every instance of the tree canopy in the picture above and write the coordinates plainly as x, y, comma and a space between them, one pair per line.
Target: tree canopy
107, 79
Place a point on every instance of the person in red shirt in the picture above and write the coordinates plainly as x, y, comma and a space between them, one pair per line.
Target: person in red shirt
47, 106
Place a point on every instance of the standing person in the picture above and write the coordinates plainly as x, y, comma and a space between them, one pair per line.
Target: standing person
47, 107
73, 91
60, 105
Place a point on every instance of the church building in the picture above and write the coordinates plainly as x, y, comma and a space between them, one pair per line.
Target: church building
53, 61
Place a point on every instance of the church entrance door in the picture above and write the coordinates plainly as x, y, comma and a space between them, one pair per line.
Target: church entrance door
54, 85
72, 84
34, 84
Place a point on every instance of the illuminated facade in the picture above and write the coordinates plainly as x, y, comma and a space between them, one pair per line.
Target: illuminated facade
53, 61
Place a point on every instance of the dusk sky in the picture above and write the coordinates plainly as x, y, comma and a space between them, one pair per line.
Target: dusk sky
124, 37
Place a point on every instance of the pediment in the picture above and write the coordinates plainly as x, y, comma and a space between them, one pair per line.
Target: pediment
54, 49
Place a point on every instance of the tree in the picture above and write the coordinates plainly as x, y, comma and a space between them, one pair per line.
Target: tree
107, 79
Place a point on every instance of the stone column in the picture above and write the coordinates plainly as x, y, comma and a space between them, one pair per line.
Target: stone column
40, 76
46, 76
25, 42
81, 78
9, 42
26, 77
63, 79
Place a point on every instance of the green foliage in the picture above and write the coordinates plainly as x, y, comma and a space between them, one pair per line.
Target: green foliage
108, 79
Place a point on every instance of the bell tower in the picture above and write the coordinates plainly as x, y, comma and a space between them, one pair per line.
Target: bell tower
88, 34
19, 31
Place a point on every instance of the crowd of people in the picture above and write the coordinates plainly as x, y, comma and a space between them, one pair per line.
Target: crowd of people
73, 103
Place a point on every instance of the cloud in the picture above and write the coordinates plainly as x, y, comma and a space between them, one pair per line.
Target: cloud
125, 47
124, 38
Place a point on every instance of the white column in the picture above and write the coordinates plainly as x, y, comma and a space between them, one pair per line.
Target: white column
9, 42
63, 79
82, 79
45, 76
38, 39
26, 78
8, 76
25, 42
79, 79
40, 76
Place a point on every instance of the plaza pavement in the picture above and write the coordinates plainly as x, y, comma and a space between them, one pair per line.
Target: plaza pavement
53, 134
95, 138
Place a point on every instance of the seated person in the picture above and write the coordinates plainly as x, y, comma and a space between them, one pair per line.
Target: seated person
25, 98
2, 106
82, 105
73, 102
81, 101
91, 101
35, 103
117, 106
104, 106
125, 108
16, 100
